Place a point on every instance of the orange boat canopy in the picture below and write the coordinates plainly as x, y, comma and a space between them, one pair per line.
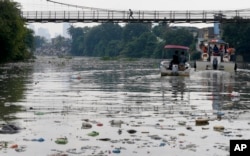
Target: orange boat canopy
176, 47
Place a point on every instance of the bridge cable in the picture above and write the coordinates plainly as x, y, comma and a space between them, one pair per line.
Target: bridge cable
83, 7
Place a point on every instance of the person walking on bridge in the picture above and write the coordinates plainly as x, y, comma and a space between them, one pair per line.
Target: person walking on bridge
131, 14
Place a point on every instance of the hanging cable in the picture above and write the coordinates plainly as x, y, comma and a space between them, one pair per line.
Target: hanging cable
83, 7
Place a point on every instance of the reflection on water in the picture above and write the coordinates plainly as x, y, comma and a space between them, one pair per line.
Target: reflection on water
91, 83
54, 94
12, 83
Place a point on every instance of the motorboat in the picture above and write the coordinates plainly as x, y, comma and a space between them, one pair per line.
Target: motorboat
216, 55
169, 67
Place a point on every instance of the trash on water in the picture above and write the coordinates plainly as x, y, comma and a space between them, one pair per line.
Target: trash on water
220, 113
93, 134
131, 131
99, 124
86, 125
219, 128
201, 122
116, 150
9, 129
104, 139
38, 140
39, 113
119, 131
117, 123
182, 123
20, 149
61, 141
14, 146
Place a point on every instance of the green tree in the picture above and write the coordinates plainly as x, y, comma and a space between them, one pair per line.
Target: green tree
132, 40
236, 34
59, 41
179, 36
113, 48
160, 29
159, 48
134, 30
30, 40
77, 35
98, 38
142, 46
40, 41
14, 36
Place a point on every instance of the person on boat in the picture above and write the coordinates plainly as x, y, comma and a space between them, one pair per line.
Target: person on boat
205, 49
221, 48
175, 59
183, 60
215, 63
220, 53
216, 50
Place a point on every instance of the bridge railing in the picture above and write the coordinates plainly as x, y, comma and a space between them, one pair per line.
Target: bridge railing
124, 16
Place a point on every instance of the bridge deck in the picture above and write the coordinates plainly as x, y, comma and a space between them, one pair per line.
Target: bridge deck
138, 16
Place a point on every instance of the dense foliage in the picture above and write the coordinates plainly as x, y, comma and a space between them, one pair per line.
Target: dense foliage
16, 40
132, 40
237, 34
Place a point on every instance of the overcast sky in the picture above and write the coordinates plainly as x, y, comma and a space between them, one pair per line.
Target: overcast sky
131, 4
140, 4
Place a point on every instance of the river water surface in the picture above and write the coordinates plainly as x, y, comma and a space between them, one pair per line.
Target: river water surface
133, 110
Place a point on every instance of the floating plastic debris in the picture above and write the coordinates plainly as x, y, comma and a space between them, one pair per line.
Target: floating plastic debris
9, 129
116, 123
116, 150
39, 113
38, 140
219, 128
220, 113
119, 131
131, 131
104, 139
93, 134
61, 141
182, 123
86, 125
201, 122
20, 148
74, 151
14, 146
99, 124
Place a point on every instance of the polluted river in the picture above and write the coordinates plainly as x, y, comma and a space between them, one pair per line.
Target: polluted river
88, 106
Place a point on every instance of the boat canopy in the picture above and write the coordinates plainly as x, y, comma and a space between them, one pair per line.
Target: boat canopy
176, 47
217, 41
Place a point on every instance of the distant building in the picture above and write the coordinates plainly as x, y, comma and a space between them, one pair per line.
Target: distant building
217, 30
206, 33
44, 33
66, 26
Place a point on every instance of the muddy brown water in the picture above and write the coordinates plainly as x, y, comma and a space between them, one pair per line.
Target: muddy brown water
53, 97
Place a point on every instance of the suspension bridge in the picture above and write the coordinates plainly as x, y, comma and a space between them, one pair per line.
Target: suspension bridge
100, 15
119, 16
